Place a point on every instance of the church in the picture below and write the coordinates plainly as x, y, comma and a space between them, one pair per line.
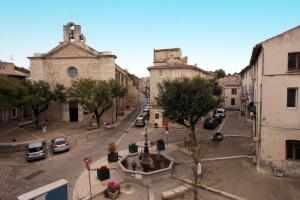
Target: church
71, 60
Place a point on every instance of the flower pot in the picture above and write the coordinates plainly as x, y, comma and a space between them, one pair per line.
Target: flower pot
112, 194
112, 157
103, 174
133, 148
160, 145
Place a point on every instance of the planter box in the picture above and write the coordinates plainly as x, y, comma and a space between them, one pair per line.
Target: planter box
112, 195
160, 145
112, 157
103, 175
133, 148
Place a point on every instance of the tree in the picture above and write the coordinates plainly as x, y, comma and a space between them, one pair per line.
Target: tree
95, 96
39, 95
117, 91
135, 80
220, 73
185, 100
11, 93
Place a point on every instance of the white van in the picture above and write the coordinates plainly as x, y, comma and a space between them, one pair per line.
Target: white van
221, 111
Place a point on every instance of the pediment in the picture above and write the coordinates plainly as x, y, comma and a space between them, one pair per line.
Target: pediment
70, 50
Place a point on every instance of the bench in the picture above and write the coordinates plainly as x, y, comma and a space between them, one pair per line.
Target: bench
179, 191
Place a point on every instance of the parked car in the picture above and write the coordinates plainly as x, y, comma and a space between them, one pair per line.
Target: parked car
59, 144
221, 111
146, 110
139, 122
145, 115
35, 151
219, 118
210, 123
147, 107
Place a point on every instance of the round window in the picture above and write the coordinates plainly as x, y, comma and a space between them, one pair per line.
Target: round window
72, 71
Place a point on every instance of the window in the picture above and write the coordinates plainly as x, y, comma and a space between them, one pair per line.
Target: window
293, 61
14, 113
293, 149
161, 72
292, 97
233, 101
156, 116
233, 90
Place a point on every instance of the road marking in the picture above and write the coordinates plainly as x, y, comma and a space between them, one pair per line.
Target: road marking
222, 125
127, 130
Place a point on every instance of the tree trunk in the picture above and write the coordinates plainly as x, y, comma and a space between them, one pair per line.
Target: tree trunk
97, 119
36, 119
195, 191
193, 135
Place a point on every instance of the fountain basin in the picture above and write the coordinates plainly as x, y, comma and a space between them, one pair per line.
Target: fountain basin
163, 166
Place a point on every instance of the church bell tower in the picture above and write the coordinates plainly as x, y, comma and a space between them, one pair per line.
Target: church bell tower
72, 33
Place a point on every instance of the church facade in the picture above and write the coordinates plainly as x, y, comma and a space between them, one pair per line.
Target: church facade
71, 60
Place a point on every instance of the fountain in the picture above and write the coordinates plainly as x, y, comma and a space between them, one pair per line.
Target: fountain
145, 167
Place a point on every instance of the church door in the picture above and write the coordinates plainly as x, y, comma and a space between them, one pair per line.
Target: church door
73, 112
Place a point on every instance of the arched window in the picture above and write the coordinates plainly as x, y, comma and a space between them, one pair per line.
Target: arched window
293, 149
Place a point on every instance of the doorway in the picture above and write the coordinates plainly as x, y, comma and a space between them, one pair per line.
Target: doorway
73, 112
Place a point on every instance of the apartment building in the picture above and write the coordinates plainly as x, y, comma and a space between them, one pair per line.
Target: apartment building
168, 64
247, 91
231, 85
275, 64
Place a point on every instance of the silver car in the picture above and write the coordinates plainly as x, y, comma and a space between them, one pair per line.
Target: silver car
35, 151
59, 144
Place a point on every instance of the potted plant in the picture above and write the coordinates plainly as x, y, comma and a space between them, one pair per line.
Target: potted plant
133, 148
103, 173
112, 156
160, 145
113, 190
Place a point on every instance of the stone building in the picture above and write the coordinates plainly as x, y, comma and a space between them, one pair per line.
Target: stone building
168, 64
247, 91
144, 86
71, 60
276, 66
231, 85
10, 71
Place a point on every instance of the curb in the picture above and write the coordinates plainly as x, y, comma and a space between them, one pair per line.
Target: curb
220, 192
127, 130
215, 159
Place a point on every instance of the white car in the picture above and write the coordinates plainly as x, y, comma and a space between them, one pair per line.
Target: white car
59, 144
221, 111
35, 151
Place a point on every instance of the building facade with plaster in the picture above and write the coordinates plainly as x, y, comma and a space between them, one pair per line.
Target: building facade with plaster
10, 71
168, 64
276, 66
231, 85
71, 60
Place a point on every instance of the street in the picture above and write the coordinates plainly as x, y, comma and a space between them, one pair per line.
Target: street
21, 178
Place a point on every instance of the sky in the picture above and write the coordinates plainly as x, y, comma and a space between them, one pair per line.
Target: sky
214, 33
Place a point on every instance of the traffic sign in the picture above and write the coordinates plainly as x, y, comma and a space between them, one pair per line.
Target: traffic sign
87, 159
